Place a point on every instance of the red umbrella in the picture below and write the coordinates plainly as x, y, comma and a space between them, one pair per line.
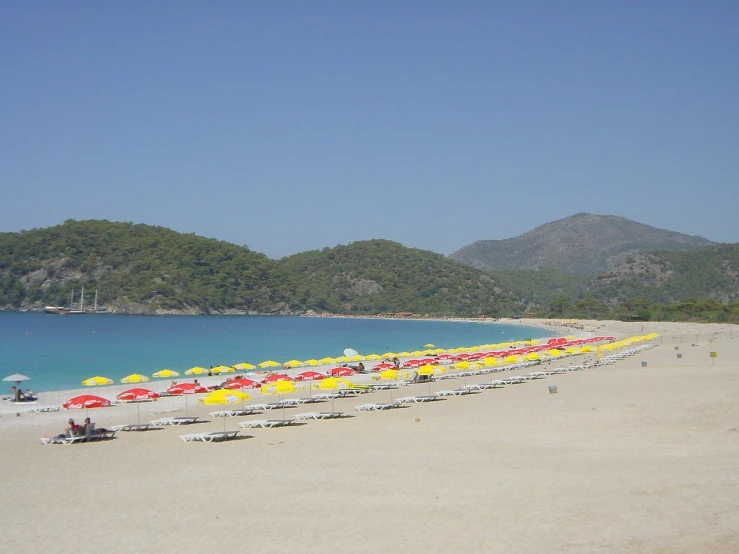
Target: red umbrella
86, 401
242, 383
138, 394
277, 377
341, 371
309, 376
187, 389
384, 365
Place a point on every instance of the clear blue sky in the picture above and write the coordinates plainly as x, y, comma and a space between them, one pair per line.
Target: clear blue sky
291, 126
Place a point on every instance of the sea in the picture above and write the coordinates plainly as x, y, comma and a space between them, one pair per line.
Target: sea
59, 351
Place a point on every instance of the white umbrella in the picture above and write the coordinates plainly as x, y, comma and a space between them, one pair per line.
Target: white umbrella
17, 377
349, 352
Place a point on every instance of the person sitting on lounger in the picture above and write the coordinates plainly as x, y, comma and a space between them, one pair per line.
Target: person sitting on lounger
72, 430
29, 396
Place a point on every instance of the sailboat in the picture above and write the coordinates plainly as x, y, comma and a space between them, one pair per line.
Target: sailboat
61, 310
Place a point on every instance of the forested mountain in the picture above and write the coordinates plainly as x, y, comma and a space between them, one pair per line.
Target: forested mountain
137, 269
383, 276
671, 276
584, 243
146, 269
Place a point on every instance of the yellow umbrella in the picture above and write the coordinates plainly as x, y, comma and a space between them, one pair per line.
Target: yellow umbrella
279, 388
358, 358
311, 362
165, 374
327, 361
135, 378
196, 371
341, 359
222, 369
392, 375
404, 354
373, 357
224, 396
389, 355
333, 383
293, 363
243, 366
429, 345
429, 370
97, 381
269, 363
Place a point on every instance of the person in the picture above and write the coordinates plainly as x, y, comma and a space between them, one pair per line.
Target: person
72, 430
17, 394
29, 396
195, 382
87, 428
360, 368
396, 361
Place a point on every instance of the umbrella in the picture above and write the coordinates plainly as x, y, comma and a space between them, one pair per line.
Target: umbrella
197, 370
292, 363
186, 389
392, 375
276, 377
97, 381
225, 396
341, 372
312, 362
244, 366
269, 363
138, 395
334, 384
222, 369
327, 361
309, 376
279, 388
242, 383
428, 370
165, 374
135, 378
349, 352
17, 377
85, 402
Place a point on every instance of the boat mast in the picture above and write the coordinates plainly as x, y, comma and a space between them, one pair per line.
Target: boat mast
82, 299
71, 298
96, 300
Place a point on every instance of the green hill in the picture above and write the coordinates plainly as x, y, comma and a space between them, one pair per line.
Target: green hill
380, 276
137, 269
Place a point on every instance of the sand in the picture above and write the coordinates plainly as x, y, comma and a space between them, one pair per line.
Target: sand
622, 458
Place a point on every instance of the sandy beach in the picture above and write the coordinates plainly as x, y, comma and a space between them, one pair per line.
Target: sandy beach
625, 457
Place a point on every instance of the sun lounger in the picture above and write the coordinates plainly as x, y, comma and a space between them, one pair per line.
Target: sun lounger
326, 395
482, 386
386, 387
175, 420
136, 427
216, 436
352, 392
272, 405
311, 400
266, 423
63, 440
373, 407
318, 415
454, 392
234, 413
43, 409
417, 399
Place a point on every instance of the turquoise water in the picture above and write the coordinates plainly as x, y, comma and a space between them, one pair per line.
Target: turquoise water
58, 352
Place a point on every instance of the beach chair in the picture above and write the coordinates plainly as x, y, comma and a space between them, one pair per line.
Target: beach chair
136, 427
266, 423
234, 413
216, 436
318, 415
174, 420
62, 440
418, 399
454, 392
374, 407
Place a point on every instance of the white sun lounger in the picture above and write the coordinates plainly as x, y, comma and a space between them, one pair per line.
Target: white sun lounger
42, 409
216, 436
266, 423
62, 440
318, 415
273, 405
454, 392
174, 421
136, 427
234, 413
327, 395
373, 407
417, 399
482, 386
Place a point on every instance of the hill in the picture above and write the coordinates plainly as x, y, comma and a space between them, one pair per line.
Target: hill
137, 269
671, 276
584, 243
381, 276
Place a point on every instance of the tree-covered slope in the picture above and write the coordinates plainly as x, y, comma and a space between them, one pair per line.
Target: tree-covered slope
380, 276
137, 268
672, 276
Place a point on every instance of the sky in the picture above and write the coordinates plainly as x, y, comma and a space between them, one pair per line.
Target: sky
290, 126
